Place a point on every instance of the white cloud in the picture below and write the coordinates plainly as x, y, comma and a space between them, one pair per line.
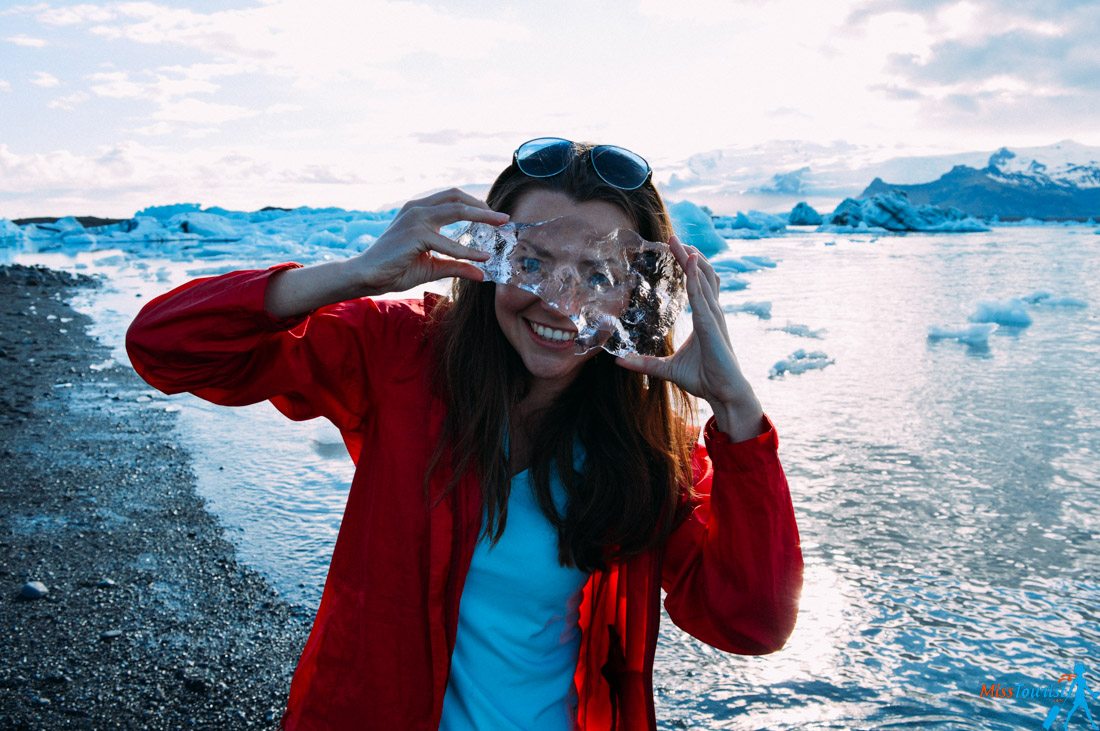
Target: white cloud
194, 111
157, 129
45, 80
309, 42
74, 14
115, 85
26, 41
71, 101
282, 108
5, 85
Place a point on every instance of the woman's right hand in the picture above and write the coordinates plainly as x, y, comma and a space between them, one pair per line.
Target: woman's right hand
404, 256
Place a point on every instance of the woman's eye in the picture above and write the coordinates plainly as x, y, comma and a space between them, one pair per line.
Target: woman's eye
529, 264
599, 279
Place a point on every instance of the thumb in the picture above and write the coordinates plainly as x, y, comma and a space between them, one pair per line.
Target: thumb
650, 365
454, 268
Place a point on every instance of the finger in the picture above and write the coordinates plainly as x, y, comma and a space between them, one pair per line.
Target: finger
444, 245
678, 251
453, 195
711, 297
704, 318
705, 265
444, 213
650, 365
442, 268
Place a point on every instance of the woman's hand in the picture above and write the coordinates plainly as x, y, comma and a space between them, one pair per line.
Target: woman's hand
705, 365
400, 259
404, 256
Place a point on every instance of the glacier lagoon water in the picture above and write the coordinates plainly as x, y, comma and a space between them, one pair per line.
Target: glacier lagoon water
948, 496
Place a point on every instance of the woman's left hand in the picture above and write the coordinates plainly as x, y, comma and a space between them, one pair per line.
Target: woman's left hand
705, 365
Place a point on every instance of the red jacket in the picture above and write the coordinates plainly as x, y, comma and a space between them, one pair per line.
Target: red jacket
379, 652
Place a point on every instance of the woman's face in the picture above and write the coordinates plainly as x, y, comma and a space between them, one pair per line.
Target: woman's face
542, 335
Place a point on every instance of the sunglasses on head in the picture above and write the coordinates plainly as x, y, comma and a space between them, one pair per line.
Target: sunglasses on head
545, 157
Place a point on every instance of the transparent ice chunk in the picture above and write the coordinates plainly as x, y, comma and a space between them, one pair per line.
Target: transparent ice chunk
622, 292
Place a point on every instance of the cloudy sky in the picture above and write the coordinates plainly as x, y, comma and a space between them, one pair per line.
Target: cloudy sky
106, 107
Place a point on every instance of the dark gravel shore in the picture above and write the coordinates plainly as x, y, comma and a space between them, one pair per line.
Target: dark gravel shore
149, 621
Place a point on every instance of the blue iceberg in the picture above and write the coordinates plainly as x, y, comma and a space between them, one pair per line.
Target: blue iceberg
695, 227
803, 214
893, 212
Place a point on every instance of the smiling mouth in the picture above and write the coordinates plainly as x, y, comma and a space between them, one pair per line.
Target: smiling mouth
549, 334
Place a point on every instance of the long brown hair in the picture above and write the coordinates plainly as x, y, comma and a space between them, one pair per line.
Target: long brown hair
636, 433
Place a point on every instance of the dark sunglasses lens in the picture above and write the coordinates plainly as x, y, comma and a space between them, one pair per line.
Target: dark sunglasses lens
620, 167
544, 157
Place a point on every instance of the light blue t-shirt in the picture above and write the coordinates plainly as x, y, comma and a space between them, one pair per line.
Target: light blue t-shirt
517, 640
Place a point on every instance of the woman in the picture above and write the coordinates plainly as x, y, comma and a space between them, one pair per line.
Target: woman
468, 415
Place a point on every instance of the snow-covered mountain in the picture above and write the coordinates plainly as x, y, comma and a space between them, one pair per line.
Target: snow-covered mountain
1064, 164
776, 175
1058, 181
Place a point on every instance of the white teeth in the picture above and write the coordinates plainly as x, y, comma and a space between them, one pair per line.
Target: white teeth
550, 334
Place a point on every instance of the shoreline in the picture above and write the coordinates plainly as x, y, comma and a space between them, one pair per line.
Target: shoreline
149, 620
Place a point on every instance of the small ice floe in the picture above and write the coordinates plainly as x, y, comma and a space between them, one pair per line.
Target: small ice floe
763, 310
801, 331
739, 264
327, 441
799, 362
1046, 299
102, 366
172, 408
976, 335
762, 261
732, 284
1011, 312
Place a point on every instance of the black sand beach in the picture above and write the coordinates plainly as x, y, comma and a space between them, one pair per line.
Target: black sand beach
149, 621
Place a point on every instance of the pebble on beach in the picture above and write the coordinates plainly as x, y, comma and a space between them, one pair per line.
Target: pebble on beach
33, 590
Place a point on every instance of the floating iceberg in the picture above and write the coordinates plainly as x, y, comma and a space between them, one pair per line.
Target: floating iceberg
184, 231
751, 225
1046, 299
695, 227
803, 214
799, 362
163, 213
11, 234
1011, 312
976, 335
763, 310
894, 212
206, 225
802, 331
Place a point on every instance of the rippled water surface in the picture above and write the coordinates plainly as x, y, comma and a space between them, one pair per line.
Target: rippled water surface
948, 497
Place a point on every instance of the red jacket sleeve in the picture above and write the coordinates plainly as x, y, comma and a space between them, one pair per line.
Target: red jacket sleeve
733, 569
213, 337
